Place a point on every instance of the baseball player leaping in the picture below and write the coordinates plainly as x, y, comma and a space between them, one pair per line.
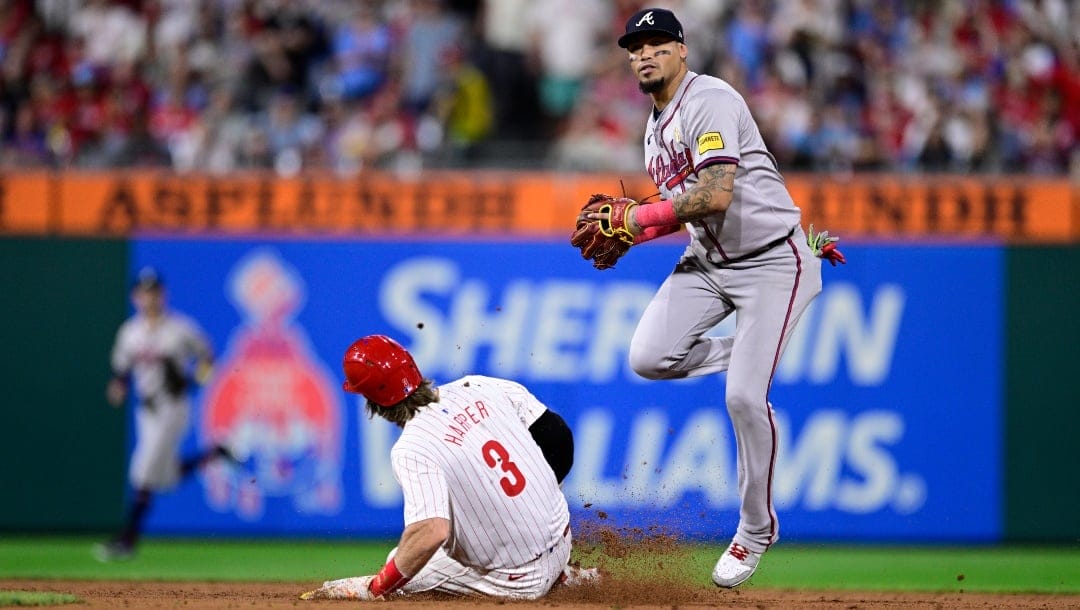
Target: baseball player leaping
484, 514
747, 255
162, 353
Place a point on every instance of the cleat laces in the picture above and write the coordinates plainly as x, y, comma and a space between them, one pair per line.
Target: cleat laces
738, 551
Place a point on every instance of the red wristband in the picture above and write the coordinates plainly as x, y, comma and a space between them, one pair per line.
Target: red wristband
659, 214
388, 580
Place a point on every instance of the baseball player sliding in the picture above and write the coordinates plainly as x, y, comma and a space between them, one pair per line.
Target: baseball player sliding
747, 255
162, 353
484, 514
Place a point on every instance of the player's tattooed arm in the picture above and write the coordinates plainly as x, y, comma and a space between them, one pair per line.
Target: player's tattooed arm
711, 195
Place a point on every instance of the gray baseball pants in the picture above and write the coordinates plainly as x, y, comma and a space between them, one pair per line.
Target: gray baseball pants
768, 293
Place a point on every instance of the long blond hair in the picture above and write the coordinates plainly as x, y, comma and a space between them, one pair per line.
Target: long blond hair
425, 394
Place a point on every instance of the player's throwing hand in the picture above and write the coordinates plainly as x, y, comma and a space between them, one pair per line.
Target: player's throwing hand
824, 246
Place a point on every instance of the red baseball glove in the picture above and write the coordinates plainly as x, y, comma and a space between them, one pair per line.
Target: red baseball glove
603, 241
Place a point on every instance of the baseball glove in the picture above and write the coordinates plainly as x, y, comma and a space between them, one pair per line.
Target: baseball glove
603, 241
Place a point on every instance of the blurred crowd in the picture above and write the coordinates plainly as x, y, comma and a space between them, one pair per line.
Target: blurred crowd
343, 85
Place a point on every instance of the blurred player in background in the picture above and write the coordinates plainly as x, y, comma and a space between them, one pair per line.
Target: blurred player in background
747, 255
479, 461
162, 354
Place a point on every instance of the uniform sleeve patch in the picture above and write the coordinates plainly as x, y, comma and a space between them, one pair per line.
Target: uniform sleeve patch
709, 141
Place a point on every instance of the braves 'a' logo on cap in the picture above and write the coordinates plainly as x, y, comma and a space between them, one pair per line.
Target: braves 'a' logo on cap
646, 18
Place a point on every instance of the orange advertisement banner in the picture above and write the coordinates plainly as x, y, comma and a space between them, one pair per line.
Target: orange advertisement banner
537, 204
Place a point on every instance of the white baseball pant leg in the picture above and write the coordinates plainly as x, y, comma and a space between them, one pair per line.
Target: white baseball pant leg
530, 581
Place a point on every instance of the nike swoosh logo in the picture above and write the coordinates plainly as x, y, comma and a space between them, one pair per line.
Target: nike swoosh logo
512, 577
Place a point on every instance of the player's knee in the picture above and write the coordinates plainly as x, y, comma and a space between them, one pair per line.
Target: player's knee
647, 363
742, 402
652, 363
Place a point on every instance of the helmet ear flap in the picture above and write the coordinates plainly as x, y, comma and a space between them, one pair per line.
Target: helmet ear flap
357, 375
381, 370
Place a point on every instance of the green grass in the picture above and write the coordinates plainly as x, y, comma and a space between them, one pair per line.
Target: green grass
985, 569
192, 560
33, 598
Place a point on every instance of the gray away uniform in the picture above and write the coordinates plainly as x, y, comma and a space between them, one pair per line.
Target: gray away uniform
752, 260
158, 356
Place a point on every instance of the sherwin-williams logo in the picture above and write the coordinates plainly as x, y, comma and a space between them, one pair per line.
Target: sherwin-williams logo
272, 402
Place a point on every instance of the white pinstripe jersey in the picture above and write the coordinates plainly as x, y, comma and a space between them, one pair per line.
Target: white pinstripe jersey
470, 458
706, 123
142, 348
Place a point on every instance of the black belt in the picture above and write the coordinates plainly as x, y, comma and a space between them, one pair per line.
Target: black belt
762, 250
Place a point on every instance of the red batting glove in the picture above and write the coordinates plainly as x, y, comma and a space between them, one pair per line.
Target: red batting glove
388, 580
830, 253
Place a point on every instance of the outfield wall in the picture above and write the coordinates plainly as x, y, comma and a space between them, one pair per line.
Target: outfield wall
927, 396
913, 401
61, 461
1042, 393
859, 395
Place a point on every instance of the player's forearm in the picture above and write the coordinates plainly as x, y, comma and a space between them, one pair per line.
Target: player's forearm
651, 233
419, 542
711, 195
116, 390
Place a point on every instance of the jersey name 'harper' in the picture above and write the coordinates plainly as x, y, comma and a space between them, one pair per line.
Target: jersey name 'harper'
465, 418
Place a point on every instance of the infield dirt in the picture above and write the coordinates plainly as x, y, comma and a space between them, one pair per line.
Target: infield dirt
643, 568
612, 594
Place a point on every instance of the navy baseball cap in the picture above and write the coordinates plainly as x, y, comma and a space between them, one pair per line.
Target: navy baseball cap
652, 21
148, 279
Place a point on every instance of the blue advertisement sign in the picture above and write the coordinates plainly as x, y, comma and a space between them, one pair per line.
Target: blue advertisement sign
888, 397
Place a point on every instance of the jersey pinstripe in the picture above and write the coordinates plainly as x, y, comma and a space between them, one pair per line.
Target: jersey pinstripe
470, 458
706, 123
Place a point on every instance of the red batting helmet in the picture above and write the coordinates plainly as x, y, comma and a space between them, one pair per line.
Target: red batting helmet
381, 370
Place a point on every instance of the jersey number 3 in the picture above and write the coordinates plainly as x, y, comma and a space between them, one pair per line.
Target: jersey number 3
495, 455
